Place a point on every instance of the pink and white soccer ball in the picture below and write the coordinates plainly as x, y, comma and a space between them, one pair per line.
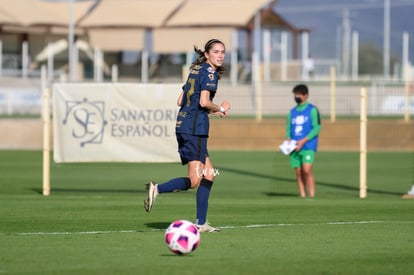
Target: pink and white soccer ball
182, 237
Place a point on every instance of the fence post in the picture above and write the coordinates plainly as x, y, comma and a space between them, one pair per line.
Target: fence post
407, 79
333, 95
257, 82
46, 142
1, 58
114, 73
144, 67
363, 146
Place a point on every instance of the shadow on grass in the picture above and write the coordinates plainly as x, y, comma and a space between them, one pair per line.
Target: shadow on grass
272, 178
89, 190
356, 189
337, 186
280, 194
158, 225
176, 255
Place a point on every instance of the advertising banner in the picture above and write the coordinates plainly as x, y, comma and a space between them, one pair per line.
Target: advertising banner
114, 122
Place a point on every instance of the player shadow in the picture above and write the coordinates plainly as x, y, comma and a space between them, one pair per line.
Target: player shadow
176, 255
158, 225
97, 190
263, 176
276, 179
356, 189
249, 173
352, 190
280, 194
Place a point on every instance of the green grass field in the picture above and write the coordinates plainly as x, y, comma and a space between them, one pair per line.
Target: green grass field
94, 222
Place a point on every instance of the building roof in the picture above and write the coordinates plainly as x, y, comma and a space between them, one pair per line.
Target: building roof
31, 13
122, 24
130, 13
19, 16
202, 13
173, 40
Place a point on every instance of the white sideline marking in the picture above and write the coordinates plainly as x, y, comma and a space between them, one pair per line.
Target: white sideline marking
296, 224
154, 230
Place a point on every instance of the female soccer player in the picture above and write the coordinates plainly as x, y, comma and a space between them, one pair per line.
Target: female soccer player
192, 129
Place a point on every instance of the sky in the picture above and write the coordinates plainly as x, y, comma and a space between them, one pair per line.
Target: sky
325, 20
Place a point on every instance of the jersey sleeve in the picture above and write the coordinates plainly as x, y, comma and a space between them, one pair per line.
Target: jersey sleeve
288, 127
316, 123
208, 79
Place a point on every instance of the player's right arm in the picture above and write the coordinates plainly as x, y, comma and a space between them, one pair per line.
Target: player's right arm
180, 99
288, 137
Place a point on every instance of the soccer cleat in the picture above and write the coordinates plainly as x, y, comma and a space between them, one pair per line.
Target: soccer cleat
152, 194
411, 191
206, 228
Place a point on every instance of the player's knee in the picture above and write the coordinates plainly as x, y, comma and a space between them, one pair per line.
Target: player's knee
187, 183
307, 171
195, 181
209, 177
206, 183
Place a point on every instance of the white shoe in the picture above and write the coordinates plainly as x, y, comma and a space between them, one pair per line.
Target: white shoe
206, 228
152, 194
411, 191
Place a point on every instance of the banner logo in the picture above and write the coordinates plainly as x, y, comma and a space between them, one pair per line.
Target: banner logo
86, 119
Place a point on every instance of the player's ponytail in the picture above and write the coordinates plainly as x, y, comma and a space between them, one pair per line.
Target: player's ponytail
201, 58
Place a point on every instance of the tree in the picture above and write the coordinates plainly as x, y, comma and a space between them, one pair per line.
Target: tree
371, 60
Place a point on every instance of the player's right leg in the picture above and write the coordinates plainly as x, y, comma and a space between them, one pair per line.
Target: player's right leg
206, 228
309, 179
176, 184
152, 194
202, 198
173, 185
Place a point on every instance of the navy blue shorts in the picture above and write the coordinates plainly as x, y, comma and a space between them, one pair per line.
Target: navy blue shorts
192, 147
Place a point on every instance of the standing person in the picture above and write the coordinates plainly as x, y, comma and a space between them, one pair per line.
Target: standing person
303, 125
192, 129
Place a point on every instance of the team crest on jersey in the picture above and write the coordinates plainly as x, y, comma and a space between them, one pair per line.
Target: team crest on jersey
210, 70
211, 76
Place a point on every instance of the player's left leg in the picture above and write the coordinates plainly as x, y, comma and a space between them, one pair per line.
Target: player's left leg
308, 158
309, 179
203, 194
300, 181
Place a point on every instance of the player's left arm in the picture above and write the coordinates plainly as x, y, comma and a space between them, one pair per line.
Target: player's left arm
180, 99
316, 124
206, 103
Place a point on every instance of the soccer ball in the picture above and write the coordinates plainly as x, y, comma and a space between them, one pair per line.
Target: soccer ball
182, 237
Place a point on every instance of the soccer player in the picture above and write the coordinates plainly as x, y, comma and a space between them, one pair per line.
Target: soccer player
303, 125
192, 130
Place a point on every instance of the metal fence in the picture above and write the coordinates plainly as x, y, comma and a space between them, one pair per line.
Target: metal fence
338, 99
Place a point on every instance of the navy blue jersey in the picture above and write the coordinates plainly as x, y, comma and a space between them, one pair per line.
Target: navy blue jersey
192, 118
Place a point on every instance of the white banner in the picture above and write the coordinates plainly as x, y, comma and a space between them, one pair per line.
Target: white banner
115, 122
397, 105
